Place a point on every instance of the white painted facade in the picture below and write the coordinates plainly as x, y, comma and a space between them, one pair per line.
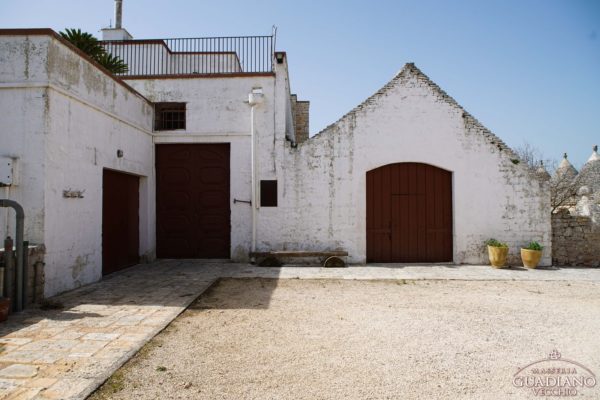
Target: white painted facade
323, 191
67, 119
217, 111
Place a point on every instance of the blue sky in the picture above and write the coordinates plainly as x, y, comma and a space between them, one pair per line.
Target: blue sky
529, 70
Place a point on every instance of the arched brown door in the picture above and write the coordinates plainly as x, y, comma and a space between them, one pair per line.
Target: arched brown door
409, 214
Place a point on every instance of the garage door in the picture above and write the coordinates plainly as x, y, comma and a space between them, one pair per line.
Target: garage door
192, 201
120, 221
409, 214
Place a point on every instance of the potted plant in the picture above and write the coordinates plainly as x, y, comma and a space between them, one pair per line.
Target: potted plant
497, 252
531, 254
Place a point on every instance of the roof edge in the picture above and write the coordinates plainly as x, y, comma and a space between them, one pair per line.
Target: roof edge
368, 100
411, 68
468, 117
53, 34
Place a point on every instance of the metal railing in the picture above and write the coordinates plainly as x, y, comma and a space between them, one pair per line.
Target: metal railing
190, 56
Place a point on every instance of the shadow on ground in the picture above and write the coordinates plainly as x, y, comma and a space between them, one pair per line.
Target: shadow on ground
167, 284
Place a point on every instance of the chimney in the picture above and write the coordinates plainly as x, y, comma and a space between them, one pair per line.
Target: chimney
118, 13
300, 115
117, 33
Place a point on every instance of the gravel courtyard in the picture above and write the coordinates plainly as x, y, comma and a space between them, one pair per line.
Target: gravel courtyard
346, 339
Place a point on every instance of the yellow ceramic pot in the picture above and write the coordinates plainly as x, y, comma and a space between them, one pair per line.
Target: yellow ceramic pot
531, 258
497, 256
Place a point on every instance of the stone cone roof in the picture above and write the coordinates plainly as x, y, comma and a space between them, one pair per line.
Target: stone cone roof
542, 172
566, 169
590, 172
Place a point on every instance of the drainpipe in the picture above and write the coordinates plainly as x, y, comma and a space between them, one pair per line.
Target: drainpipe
19, 239
254, 98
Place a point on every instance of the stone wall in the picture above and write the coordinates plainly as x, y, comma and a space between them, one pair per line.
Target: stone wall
300, 112
575, 240
301, 121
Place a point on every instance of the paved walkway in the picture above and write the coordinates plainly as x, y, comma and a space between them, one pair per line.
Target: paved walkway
68, 353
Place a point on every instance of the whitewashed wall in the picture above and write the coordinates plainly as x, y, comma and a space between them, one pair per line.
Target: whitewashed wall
23, 103
65, 120
69, 121
323, 181
217, 111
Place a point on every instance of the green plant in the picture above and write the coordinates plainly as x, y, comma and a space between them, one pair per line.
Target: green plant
91, 46
112, 63
495, 243
84, 41
534, 246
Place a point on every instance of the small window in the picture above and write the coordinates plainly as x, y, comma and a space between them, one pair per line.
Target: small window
268, 193
169, 116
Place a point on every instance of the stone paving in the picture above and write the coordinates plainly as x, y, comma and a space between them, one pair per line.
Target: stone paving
67, 353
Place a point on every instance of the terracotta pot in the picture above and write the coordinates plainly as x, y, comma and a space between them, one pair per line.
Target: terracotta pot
4, 308
497, 256
531, 258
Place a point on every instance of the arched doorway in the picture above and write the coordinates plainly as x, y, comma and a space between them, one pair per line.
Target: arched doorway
409, 213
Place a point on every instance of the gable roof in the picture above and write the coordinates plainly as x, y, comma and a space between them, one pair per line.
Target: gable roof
410, 69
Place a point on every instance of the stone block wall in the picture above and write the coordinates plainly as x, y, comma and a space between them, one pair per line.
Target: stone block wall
300, 112
575, 240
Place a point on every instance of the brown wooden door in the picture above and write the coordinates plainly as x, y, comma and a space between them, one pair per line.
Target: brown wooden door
120, 221
192, 201
409, 214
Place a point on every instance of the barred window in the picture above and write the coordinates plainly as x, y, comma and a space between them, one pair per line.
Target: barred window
169, 116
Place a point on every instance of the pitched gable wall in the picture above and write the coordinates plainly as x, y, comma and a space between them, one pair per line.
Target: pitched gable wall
323, 198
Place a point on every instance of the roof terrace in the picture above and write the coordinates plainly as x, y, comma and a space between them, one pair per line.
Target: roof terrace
183, 57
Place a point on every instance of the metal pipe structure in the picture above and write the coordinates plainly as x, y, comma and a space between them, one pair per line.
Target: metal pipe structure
234, 55
19, 239
254, 98
253, 179
25, 276
118, 14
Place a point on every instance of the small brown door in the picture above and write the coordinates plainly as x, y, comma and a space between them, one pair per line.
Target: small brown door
409, 214
120, 221
192, 201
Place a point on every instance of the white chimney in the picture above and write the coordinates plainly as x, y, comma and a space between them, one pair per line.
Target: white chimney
117, 33
118, 13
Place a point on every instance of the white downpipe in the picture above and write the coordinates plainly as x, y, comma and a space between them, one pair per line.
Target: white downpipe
254, 98
253, 169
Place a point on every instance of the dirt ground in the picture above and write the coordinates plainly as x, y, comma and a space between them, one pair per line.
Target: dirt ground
336, 339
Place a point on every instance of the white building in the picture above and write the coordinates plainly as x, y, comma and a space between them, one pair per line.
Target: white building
159, 162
